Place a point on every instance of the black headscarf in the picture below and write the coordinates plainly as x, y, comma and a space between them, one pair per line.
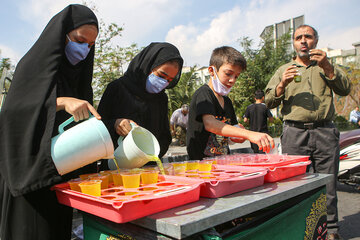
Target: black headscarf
127, 97
28, 118
143, 63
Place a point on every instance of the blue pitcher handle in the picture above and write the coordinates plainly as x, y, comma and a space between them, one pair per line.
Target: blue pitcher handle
121, 138
67, 122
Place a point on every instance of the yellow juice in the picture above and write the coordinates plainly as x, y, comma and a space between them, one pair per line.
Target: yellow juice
117, 178
192, 165
179, 168
104, 180
131, 180
74, 184
205, 166
149, 177
92, 187
158, 162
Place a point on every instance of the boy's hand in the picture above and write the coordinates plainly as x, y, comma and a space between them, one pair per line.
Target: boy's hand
263, 140
122, 126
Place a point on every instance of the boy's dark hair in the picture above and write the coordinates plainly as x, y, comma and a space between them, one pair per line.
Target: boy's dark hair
259, 94
316, 35
225, 54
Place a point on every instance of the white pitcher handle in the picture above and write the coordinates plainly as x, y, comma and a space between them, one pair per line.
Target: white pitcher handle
67, 122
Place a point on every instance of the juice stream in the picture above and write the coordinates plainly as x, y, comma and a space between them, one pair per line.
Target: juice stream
118, 169
158, 162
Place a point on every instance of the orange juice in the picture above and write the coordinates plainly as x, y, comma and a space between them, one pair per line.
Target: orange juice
149, 177
205, 165
117, 178
131, 179
179, 168
104, 180
192, 165
91, 187
74, 184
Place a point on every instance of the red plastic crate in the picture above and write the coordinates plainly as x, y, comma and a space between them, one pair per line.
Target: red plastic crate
115, 206
283, 172
232, 181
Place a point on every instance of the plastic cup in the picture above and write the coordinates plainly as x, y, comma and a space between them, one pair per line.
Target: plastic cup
117, 178
85, 176
205, 165
107, 172
74, 184
104, 179
91, 187
192, 165
149, 177
168, 168
179, 168
131, 179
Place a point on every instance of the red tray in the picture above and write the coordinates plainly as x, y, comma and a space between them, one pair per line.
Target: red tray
279, 173
115, 206
232, 180
261, 160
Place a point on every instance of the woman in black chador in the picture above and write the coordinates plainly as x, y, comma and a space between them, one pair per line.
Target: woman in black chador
139, 96
51, 83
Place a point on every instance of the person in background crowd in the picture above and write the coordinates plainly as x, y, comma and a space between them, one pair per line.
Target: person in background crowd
179, 124
51, 83
305, 87
139, 96
211, 113
355, 116
257, 115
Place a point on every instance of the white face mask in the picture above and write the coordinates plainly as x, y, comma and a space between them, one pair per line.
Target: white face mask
219, 88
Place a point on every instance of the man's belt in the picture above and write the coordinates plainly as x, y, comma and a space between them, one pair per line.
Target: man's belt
308, 125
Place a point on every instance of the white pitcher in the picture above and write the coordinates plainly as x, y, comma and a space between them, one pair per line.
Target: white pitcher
80, 145
136, 149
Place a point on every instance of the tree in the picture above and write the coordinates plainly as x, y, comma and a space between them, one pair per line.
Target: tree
183, 91
261, 65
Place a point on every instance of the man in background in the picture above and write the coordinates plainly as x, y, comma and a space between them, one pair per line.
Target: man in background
355, 116
178, 124
257, 115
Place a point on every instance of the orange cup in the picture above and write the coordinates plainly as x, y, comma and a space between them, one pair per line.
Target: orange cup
117, 178
91, 187
104, 180
149, 177
131, 179
74, 184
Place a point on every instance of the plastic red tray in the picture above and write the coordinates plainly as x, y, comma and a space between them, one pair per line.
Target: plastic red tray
115, 206
261, 160
232, 180
279, 173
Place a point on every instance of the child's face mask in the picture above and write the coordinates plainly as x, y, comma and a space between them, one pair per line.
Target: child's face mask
155, 84
219, 88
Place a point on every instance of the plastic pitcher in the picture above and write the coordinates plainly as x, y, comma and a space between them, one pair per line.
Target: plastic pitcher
136, 149
80, 145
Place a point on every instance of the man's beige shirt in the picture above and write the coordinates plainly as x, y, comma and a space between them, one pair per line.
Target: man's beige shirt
311, 99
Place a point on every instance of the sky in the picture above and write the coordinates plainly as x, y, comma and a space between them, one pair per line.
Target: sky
196, 27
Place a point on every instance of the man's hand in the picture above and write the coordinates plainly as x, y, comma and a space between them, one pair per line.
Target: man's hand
320, 57
287, 77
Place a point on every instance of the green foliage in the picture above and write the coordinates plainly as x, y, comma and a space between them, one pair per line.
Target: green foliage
261, 65
183, 91
110, 61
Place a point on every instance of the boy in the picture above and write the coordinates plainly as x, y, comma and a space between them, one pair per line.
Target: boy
212, 115
257, 114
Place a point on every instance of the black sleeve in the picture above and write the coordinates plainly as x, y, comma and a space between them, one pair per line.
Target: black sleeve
247, 112
107, 111
268, 113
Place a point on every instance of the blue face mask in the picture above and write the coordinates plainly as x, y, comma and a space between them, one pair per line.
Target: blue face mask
155, 84
76, 52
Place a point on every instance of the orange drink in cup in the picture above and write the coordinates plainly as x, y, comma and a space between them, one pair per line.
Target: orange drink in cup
179, 168
131, 179
74, 184
104, 180
91, 187
192, 165
108, 172
149, 177
117, 178
85, 176
205, 165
